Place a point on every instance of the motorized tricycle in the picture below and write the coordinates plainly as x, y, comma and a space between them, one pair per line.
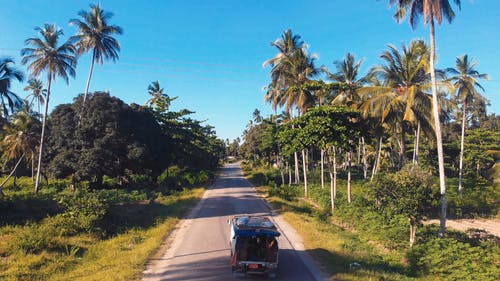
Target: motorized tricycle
254, 245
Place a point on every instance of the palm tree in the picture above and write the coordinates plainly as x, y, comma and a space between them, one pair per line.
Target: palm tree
158, 98
432, 10
288, 46
45, 55
400, 99
9, 101
347, 73
20, 139
38, 93
96, 35
465, 82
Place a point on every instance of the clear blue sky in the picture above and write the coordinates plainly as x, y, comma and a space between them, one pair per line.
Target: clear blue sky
210, 53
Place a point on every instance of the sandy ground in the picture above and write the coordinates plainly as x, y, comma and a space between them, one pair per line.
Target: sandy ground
491, 226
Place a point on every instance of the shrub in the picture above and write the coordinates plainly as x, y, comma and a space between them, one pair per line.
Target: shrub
449, 259
34, 239
83, 209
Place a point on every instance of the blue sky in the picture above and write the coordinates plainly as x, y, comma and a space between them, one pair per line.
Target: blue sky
210, 53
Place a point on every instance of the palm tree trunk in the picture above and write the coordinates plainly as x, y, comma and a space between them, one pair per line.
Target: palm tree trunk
349, 176
333, 178
44, 120
365, 164
377, 159
297, 176
417, 144
32, 167
437, 124
402, 146
289, 173
10, 175
462, 139
322, 169
88, 84
304, 168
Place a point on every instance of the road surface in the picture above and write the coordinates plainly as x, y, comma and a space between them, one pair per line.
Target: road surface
199, 249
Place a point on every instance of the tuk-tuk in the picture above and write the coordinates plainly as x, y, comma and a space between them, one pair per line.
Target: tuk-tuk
254, 245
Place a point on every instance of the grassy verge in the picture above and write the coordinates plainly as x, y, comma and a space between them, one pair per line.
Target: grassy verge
129, 234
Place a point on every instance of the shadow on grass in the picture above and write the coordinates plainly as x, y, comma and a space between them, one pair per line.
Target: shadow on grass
21, 210
340, 263
143, 214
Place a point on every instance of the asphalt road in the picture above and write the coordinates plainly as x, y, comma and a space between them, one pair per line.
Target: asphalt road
199, 249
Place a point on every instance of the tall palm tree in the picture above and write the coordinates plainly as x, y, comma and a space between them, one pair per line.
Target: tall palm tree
9, 101
96, 34
432, 11
288, 46
38, 93
400, 99
45, 55
465, 82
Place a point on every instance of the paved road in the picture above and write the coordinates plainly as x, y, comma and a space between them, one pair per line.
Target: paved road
199, 248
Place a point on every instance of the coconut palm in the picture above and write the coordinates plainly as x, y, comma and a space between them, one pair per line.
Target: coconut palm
347, 73
20, 139
158, 98
288, 46
432, 11
44, 55
9, 101
96, 34
400, 99
38, 93
465, 82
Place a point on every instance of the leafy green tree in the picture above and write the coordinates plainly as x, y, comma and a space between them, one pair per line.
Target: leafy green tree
330, 128
9, 101
431, 10
407, 192
96, 34
113, 139
482, 148
465, 82
44, 55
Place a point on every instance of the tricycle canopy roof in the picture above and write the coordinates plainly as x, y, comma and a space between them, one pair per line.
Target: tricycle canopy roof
254, 226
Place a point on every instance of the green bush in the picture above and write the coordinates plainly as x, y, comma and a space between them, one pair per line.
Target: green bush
34, 239
449, 259
83, 210
285, 192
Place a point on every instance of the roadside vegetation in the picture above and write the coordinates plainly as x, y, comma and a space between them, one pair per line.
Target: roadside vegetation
91, 189
357, 161
361, 242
